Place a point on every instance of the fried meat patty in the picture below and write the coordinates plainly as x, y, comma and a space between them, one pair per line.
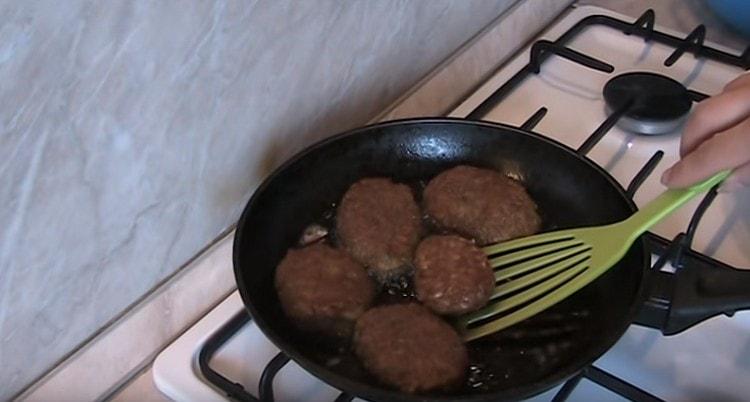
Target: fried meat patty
482, 204
323, 289
452, 275
379, 224
408, 347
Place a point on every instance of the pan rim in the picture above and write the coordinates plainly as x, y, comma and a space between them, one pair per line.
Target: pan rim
367, 390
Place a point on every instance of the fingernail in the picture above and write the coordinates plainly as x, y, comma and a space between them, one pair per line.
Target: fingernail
665, 176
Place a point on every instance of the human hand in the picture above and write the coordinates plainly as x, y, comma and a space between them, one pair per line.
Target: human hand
716, 137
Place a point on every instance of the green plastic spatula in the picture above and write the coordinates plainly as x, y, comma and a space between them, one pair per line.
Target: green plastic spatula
536, 272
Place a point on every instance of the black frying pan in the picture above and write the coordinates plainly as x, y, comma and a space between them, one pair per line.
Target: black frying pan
521, 361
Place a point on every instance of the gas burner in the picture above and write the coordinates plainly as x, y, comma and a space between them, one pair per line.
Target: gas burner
659, 104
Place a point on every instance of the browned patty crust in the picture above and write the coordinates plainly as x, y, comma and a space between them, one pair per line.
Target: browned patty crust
482, 204
323, 289
378, 222
408, 347
453, 276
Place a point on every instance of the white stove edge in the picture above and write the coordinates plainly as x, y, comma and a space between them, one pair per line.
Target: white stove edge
180, 359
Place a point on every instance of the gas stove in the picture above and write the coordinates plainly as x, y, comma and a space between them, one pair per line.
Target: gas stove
617, 90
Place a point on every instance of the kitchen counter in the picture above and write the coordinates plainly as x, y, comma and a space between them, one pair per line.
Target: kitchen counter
458, 75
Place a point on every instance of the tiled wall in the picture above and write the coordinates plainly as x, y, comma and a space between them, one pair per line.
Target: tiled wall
132, 133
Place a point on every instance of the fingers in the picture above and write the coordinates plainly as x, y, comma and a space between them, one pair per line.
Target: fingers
717, 114
725, 150
716, 137
740, 81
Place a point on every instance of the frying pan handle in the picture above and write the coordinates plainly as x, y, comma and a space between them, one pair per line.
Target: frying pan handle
705, 293
700, 289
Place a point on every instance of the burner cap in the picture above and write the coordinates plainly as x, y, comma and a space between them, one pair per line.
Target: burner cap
660, 103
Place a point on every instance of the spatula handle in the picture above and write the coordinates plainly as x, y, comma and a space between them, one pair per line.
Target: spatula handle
668, 202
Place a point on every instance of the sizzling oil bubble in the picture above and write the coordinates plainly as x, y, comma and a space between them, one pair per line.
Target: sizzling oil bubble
330, 214
397, 289
479, 377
